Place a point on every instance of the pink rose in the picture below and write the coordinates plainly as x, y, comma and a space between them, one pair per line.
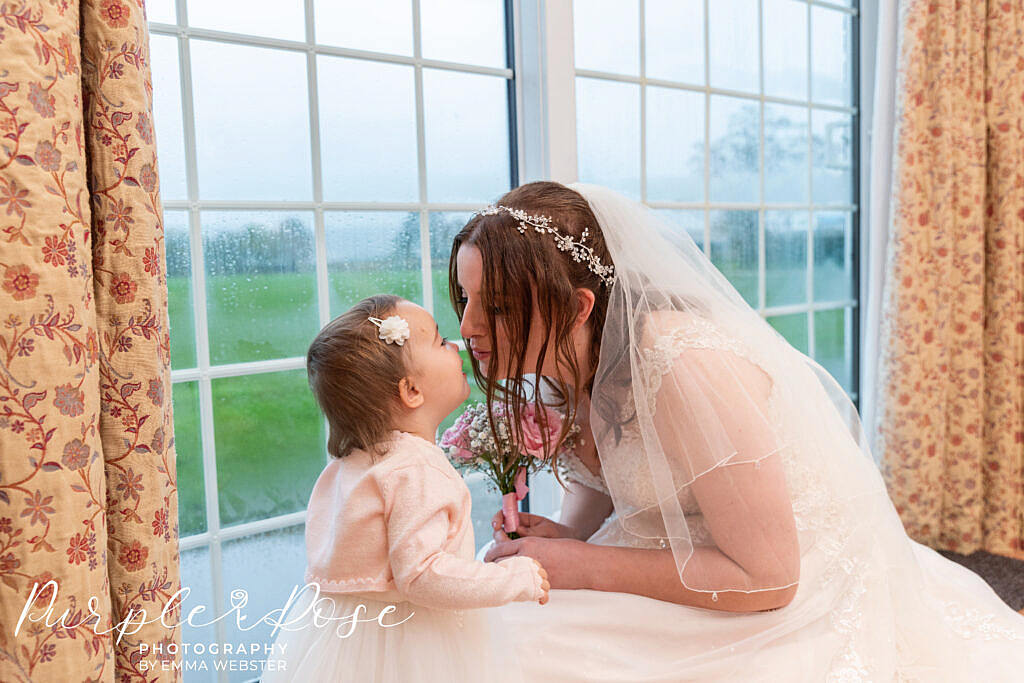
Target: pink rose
533, 433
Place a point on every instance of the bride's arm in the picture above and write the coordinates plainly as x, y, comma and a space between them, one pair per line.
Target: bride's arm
653, 573
584, 509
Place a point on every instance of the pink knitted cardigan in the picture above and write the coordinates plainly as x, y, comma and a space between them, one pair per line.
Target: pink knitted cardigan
400, 528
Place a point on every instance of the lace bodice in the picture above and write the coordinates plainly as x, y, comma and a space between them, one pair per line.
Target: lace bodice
637, 497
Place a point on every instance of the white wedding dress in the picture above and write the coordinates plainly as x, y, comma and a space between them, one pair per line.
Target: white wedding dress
872, 604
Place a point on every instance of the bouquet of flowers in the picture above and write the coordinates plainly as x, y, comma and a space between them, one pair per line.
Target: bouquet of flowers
472, 444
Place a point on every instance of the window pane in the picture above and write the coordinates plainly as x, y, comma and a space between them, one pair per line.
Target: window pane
263, 155
195, 575
832, 53
443, 228
786, 165
179, 289
785, 49
833, 157
466, 31
734, 149
785, 246
376, 252
607, 35
675, 145
832, 329
378, 26
260, 285
191, 488
282, 19
833, 256
733, 46
369, 150
608, 134
161, 11
793, 327
734, 250
680, 221
268, 586
466, 122
270, 444
674, 40
170, 138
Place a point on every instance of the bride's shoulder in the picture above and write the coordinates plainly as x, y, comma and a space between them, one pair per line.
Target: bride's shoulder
680, 328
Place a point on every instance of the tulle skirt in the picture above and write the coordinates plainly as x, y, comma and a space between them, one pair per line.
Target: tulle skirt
417, 644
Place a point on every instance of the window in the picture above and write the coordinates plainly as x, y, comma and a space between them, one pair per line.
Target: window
737, 120
311, 154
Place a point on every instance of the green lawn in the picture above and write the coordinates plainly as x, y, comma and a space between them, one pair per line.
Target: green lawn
268, 434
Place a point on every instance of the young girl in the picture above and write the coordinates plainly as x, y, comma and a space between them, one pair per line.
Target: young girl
388, 524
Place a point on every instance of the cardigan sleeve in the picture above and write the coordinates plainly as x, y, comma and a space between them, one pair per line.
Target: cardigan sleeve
422, 503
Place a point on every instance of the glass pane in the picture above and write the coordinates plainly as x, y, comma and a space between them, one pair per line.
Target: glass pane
260, 285
268, 586
674, 40
376, 252
786, 165
466, 122
675, 145
833, 157
179, 289
259, 152
793, 327
831, 56
368, 152
256, 17
785, 252
688, 221
831, 330
833, 256
734, 249
191, 489
161, 11
170, 138
443, 228
195, 575
608, 134
270, 444
733, 47
785, 49
378, 26
466, 31
734, 147
607, 35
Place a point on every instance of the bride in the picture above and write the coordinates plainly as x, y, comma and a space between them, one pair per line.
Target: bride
723, 517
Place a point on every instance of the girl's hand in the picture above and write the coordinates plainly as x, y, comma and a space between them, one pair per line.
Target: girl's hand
544, 585
563, 559
531, 525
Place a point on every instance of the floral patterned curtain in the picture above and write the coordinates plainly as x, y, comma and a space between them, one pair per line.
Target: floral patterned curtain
952, 379
88, 490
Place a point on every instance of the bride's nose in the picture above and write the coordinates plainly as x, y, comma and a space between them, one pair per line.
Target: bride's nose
473, 323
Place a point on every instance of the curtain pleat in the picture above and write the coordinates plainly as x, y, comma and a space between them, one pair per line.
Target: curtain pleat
88, 486
951, 431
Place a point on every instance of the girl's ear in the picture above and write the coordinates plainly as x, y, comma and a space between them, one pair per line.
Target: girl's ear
584, 306
410, 393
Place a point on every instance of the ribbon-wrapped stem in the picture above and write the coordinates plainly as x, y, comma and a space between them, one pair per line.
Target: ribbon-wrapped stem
510, 504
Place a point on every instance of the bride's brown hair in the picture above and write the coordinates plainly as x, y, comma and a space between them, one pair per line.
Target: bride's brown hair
515, 266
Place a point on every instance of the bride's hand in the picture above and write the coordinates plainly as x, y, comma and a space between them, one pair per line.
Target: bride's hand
531, 525
561, 558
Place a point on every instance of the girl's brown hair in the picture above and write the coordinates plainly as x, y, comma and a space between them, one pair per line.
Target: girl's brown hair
344, 360
515, 266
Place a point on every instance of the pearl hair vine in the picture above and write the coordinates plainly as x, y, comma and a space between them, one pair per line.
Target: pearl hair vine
581, 253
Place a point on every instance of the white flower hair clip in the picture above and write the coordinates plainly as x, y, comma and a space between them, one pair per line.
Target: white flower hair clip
394, 329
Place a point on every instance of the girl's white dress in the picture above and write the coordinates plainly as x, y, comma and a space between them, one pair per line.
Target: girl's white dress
872, 604
390, 543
